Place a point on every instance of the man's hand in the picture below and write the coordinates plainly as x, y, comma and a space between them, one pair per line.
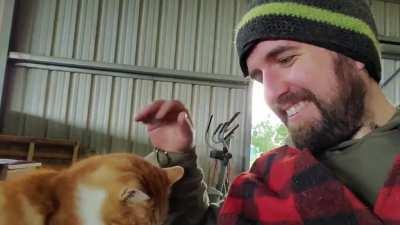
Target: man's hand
168, 124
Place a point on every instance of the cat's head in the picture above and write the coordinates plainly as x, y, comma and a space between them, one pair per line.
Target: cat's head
119, 189
147, 203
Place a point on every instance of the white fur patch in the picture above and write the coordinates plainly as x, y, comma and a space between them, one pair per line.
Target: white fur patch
89, 203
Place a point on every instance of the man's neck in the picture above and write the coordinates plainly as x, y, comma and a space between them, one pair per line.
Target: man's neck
378, 111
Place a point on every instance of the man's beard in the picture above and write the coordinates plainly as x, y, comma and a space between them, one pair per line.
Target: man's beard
342, 117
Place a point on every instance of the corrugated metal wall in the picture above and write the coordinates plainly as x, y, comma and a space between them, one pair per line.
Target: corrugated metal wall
387, 16
189, 35
98, 107
2, 4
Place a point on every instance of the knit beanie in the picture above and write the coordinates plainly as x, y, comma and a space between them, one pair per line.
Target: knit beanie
343, 26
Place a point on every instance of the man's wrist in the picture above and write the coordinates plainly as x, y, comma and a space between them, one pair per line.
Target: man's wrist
185, 159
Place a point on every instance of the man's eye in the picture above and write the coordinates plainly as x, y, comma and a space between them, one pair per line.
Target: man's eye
287, 61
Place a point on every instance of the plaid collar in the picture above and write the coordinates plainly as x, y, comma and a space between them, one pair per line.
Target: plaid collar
289, 186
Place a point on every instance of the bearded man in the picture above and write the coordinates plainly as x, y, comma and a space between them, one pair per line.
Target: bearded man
319, 63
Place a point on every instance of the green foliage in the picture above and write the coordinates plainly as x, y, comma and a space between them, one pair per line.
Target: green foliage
266, 136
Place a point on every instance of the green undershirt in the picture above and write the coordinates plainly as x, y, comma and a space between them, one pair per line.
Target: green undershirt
363, 165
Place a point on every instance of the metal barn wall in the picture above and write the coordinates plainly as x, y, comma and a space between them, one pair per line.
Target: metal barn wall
6, 15
387, 16
79, 70
92, 98
187, 35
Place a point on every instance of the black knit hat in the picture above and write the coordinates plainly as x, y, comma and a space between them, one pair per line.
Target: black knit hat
343, 26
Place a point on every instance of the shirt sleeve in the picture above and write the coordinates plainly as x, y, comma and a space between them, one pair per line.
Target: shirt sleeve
189, 203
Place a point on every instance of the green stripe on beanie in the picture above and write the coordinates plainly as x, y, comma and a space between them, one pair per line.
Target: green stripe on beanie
309, 15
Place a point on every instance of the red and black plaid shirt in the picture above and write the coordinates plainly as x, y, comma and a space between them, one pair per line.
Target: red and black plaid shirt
287, 186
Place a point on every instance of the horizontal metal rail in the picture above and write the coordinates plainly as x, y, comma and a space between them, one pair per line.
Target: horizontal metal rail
20, 59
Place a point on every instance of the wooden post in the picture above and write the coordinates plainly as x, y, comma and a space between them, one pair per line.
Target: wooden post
31, 151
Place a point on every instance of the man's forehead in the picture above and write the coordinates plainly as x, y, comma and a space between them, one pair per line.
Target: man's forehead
272, 44
271, 47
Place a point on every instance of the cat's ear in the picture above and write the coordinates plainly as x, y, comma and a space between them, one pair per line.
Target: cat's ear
133, 195
174, 173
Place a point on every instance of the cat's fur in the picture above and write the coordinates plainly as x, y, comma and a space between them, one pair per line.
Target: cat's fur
114, 189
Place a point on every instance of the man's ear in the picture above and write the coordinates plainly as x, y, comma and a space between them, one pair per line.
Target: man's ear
359, 65
133, 195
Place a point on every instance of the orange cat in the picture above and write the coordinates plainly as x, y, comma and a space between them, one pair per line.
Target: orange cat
114, 189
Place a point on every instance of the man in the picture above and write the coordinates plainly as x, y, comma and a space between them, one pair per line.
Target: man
319, 62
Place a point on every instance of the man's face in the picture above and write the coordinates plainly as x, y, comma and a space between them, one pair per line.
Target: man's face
317, 93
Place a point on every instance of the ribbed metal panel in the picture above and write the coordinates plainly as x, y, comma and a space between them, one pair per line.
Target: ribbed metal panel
200, 115
65, 28
238, 163
219, 107
43, 27
143, 96
183, 93
167, 36
188, 25
2, 4
98, 110
378, 10
108, 31
6, 23
241, 7
189, 35
35, 102
56, 109
99, 114
78, 107
387, 17
128, 32
147, 50
392, 19
121, 114
14, 119
392, 89
224, 36
206, 36
87, 28
163, 90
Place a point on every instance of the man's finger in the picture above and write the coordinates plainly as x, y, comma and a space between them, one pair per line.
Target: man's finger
185, 122
148, 112
168, 107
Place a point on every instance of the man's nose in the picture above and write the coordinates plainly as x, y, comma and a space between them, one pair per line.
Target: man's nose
275, 85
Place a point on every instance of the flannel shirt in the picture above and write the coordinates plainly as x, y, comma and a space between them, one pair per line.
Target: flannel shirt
287, 186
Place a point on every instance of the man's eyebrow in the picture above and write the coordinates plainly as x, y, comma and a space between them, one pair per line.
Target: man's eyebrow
274, 53
279, 50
